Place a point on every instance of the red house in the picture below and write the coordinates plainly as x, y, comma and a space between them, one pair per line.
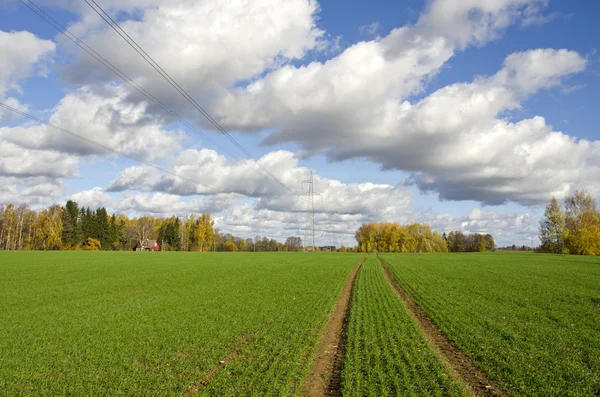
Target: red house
147, 245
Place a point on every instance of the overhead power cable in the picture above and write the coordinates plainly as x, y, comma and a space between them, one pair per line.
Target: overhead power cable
110, 66
117, 28
219, 37
104, 147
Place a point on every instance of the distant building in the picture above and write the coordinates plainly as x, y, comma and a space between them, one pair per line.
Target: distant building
328, 248
147, 245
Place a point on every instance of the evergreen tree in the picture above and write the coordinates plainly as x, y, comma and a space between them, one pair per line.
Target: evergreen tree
87, 225
68, 231
102, 228
71, 224
169, 234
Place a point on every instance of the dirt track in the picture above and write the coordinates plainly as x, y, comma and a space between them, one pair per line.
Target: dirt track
461, 365
324, 377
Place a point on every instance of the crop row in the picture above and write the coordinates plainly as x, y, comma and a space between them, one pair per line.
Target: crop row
386, 354
156, 324
531, 322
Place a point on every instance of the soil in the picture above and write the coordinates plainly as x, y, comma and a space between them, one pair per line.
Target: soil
324, 377
462, 366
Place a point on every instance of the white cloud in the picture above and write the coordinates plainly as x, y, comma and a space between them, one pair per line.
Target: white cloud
455, 140
206, 46
244, 178
156, 204
23, 55
530, 71
35, 191
18, 161
370, 29
103, 116
507, 228
468, 22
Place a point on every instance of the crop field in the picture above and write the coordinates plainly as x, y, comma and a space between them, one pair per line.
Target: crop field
386, 355
530, 321
245, 324
82, 323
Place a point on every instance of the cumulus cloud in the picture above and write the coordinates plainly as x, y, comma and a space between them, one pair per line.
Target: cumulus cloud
18, 161
35, 191
353, 105
331, 96
23, 55
100, 115
507, 228
470, 22
205, 172
156, 204
455, 141
206, 46
246, 61
103, 116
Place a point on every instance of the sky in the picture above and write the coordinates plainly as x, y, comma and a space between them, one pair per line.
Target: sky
463, 115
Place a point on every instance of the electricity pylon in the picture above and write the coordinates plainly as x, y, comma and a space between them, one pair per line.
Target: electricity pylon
309, 230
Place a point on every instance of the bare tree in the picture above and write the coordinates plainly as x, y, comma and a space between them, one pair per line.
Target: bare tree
144, 228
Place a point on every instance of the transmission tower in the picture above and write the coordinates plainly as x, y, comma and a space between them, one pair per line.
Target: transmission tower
309, 230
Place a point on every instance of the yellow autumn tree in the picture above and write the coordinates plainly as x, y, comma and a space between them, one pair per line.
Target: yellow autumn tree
392, 237
204, 234
582, 224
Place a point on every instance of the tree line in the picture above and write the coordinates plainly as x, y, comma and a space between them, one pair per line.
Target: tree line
22, 228
77, 228
572, 229
475, 242
392, 237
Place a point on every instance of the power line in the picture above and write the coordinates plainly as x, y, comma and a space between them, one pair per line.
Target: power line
117, 28
90, 51
104, 147
110, 66
219, 36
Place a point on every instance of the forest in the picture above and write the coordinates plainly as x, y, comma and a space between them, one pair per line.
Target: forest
77, 228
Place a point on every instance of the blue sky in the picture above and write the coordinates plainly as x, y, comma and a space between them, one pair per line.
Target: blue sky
547, 97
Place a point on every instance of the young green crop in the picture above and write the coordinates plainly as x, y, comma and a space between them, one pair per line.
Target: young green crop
531, 321
386, 354
155, 323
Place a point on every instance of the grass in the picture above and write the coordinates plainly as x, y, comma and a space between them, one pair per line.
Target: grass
74, 323
531, 321
386, 354
103, 323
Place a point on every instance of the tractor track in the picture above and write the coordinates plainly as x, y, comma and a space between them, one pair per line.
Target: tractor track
462, 366
325, 373
196, 387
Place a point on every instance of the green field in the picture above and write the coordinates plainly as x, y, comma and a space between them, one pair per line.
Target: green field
119, 323
531, 321
154, 324
386, 355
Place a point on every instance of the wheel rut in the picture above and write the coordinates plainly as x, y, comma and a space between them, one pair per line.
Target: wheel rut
462, 366
325, 373
196, 387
